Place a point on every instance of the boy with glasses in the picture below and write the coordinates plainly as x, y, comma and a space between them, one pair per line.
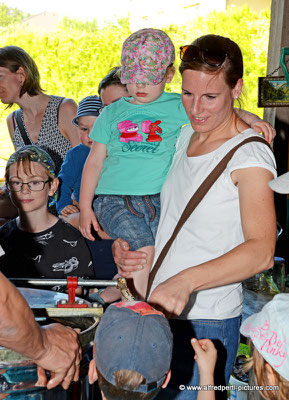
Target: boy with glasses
37, 243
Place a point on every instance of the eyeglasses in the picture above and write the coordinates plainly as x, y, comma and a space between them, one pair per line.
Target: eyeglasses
34, 186
214, 58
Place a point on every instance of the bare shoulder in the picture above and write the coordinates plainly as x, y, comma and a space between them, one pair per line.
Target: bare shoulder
10, 125
68, 105
67, 111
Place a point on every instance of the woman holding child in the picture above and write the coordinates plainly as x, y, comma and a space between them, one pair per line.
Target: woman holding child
231, 234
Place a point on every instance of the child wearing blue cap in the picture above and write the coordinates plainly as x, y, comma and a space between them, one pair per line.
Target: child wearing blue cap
71, 170
132, 352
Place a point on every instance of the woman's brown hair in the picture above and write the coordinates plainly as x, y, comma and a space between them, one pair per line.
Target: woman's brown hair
12, 58
232, 67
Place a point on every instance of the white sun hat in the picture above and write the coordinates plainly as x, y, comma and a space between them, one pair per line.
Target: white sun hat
280, 184
269, 332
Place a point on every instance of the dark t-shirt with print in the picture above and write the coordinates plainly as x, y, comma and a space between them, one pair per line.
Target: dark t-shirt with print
57, 252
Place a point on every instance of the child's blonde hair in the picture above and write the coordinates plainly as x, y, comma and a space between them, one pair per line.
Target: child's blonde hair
259, 364
125, 378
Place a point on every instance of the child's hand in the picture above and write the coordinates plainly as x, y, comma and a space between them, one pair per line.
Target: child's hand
206, 356
69, 209
86, 219
264, 127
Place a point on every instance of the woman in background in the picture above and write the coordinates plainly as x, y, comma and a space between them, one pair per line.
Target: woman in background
43, 120
110, 88
46, 119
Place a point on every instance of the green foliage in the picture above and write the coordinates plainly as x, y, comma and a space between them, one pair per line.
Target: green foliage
73, 60
10, 15
247, 28
244, 350
71, 24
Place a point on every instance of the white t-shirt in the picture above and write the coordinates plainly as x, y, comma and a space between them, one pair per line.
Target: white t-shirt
214, 228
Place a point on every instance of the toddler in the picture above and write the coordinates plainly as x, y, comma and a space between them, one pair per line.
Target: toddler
71, 170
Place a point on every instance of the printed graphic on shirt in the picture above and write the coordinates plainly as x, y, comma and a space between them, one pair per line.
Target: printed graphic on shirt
150, 128
37, 258
43, 238
129, 131
67, 266
72, 243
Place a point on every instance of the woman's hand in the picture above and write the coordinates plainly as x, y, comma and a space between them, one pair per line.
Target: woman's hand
127, 261
86, 219
172, 295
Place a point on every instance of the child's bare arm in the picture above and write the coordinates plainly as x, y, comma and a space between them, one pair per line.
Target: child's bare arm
69, 209
206, 357
89, 181
257, 124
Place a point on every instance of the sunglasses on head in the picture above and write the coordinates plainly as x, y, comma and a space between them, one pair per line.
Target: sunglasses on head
214, 58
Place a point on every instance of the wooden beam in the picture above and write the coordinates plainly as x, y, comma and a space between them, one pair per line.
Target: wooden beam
279, 116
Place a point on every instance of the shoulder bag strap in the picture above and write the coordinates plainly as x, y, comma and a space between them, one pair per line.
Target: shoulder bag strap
20, 125
195, 200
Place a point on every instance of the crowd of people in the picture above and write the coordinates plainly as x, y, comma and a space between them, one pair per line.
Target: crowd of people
117, 173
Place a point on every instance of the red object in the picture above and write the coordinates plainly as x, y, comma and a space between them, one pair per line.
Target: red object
153, 128
71, 286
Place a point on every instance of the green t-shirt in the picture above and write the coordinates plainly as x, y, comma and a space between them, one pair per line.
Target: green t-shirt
140, 142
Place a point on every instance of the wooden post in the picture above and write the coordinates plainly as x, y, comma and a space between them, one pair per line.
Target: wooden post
279, 116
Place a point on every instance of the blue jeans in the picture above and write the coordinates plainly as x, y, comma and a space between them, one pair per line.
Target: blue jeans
224, 333
102, 258
132, 218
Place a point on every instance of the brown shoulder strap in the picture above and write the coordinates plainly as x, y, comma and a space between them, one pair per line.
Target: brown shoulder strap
195, 200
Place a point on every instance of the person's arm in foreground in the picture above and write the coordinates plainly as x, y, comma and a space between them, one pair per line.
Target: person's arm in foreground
206, 357
256, 123
53, 347
254, 255
89, 181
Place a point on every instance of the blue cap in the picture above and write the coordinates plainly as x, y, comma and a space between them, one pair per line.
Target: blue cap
90, 105
136, 337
